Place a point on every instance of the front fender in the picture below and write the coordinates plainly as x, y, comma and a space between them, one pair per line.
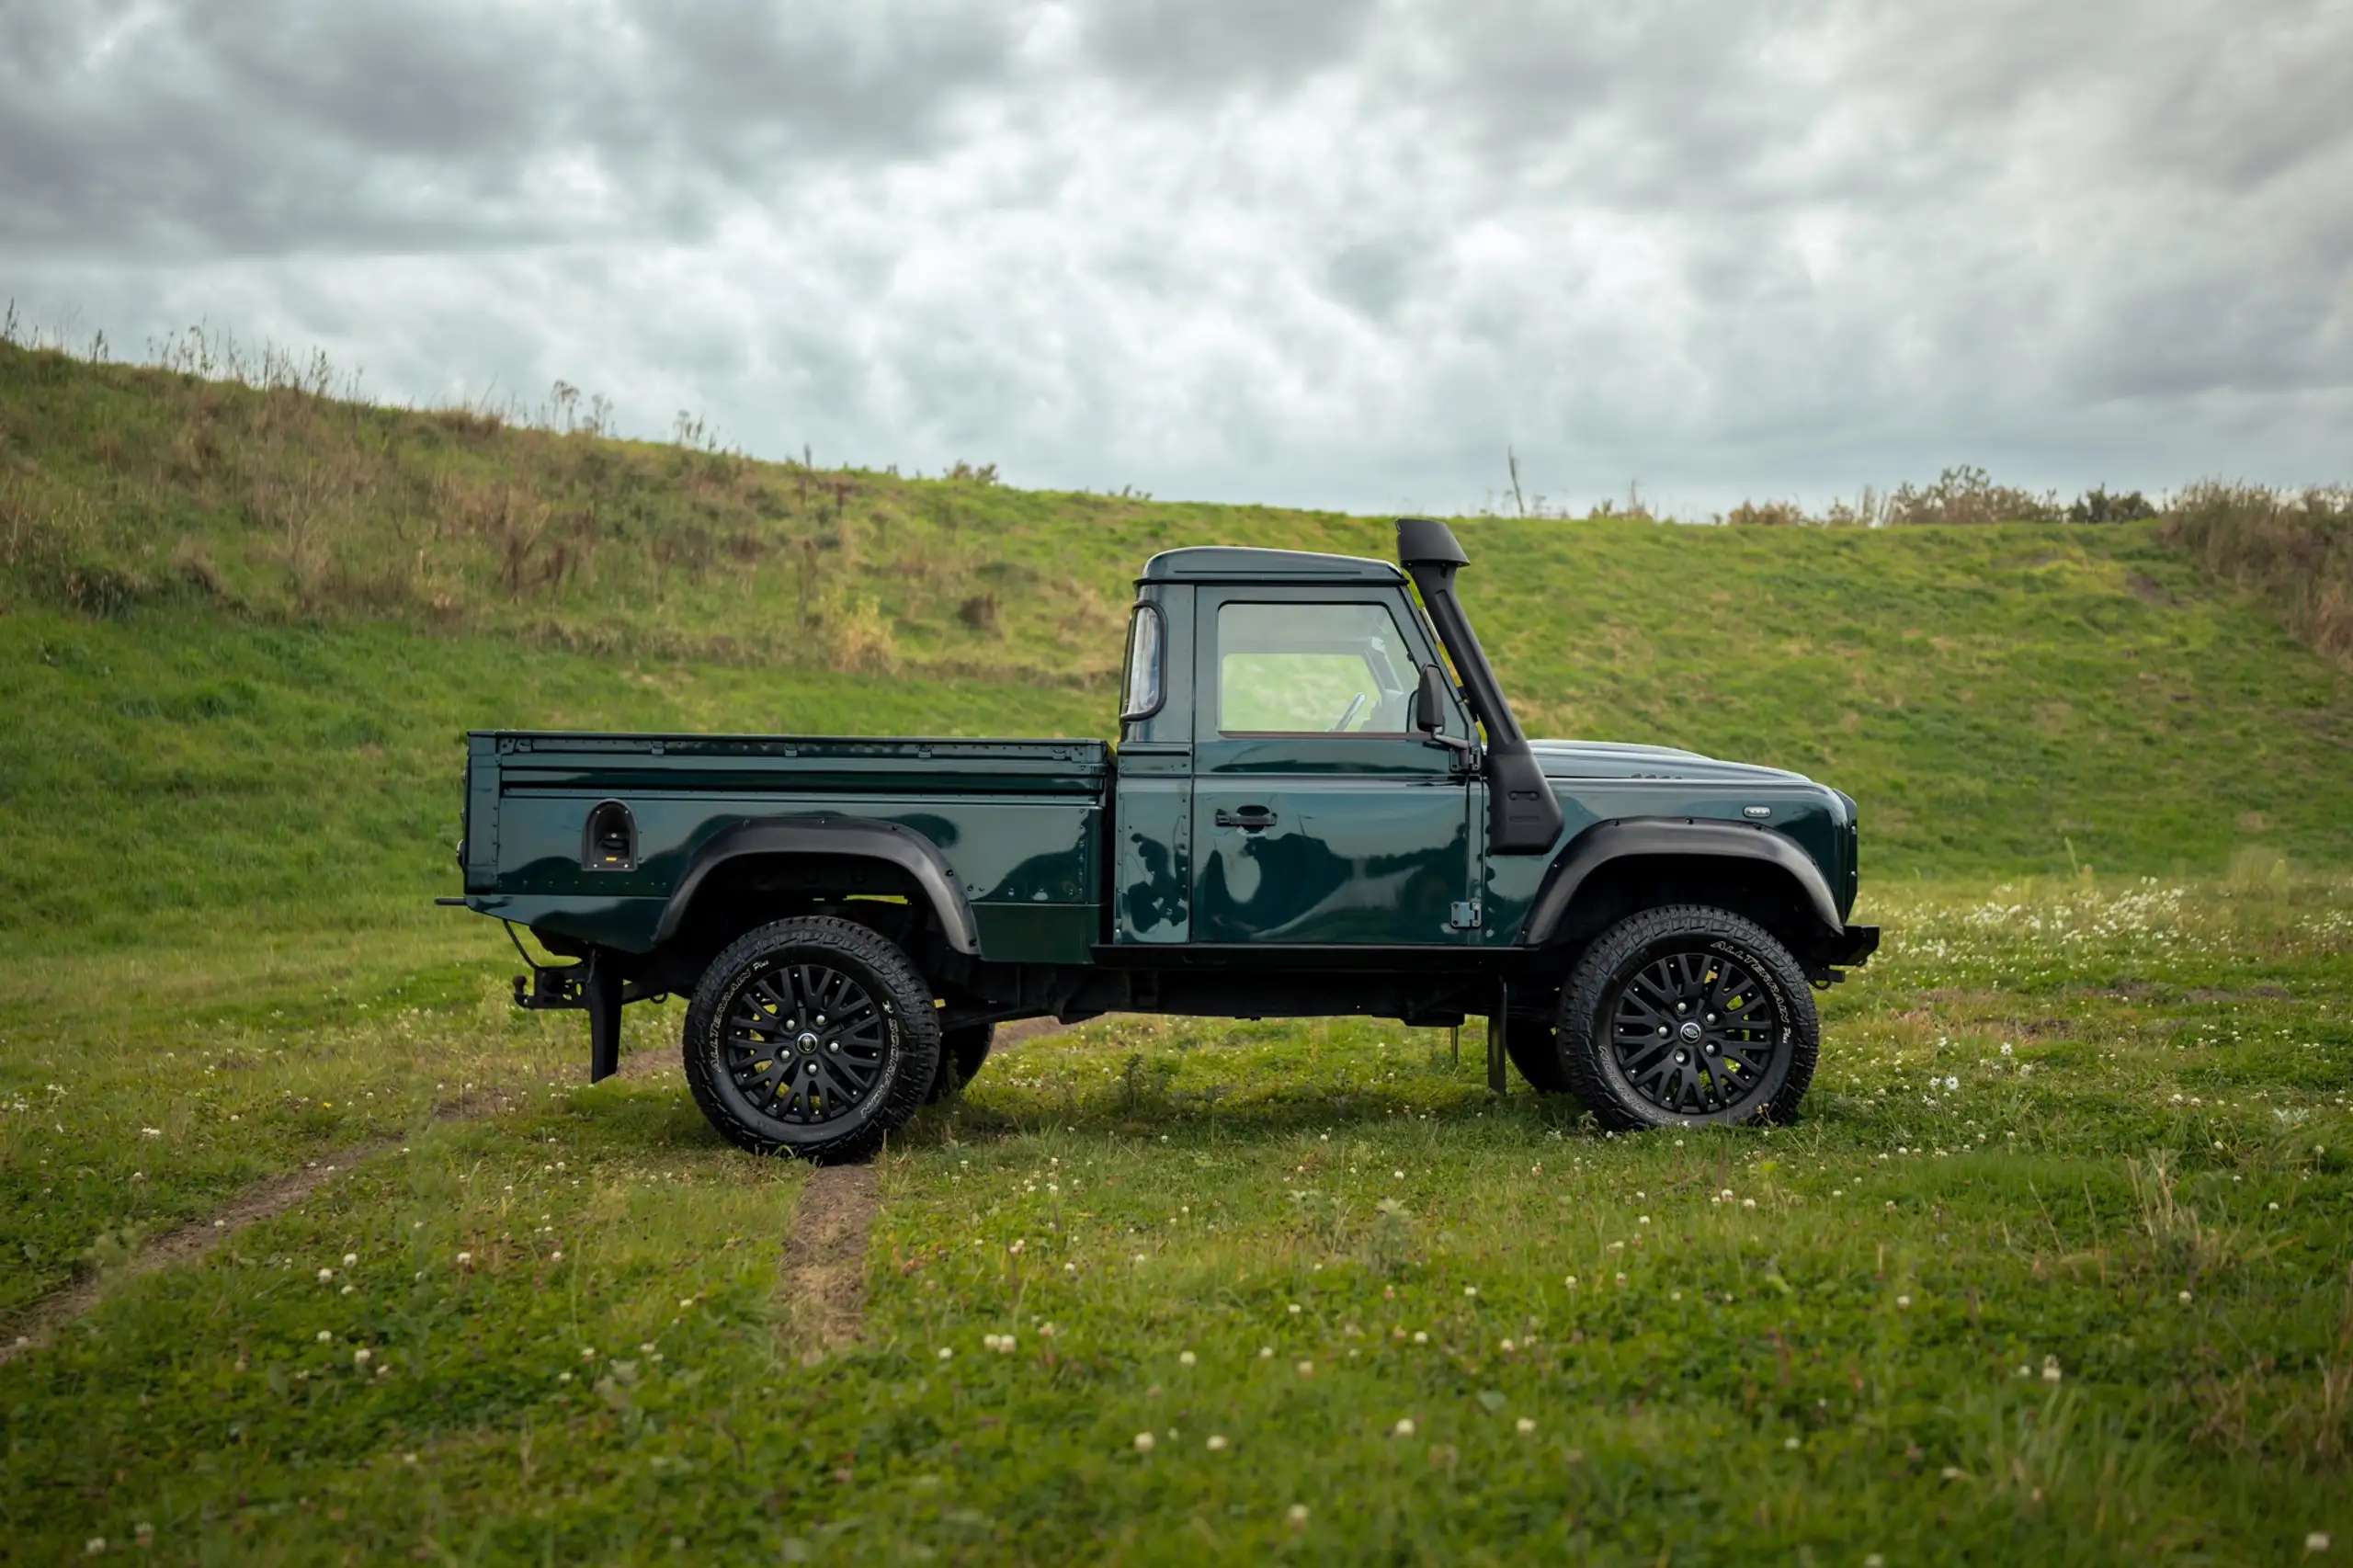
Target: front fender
1682, 836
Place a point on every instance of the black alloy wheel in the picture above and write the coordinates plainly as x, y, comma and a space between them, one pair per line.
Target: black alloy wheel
813, 1037
1685, 1015
803, 1043
1694, 1031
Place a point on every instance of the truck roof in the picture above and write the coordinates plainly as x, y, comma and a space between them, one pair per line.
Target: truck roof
1233, 563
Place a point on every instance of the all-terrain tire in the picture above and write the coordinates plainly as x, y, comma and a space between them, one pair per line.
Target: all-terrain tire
1685, 1014
961, 1051
832, 1086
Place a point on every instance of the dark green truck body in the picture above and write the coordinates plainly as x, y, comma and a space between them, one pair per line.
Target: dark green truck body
1221, 858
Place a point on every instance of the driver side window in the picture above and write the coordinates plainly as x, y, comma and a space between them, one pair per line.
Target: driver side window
1300, 669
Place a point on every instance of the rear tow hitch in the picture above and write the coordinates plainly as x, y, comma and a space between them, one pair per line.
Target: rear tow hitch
593, 985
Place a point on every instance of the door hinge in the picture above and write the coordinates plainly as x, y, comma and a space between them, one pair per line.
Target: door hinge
1465, 916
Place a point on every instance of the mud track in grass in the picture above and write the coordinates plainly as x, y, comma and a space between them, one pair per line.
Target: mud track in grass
184, 1244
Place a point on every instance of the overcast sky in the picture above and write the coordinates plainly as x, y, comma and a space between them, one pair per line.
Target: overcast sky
1308, 251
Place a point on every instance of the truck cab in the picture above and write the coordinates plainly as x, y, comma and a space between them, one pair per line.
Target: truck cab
1319, 803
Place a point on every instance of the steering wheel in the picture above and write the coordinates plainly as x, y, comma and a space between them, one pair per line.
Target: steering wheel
1355, 706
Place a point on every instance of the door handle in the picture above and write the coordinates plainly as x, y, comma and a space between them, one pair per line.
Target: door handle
1248, 818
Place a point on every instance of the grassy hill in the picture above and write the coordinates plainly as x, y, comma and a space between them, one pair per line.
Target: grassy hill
2053, 1268
242, 628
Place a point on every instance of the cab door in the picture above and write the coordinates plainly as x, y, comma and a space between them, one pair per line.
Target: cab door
1319, 817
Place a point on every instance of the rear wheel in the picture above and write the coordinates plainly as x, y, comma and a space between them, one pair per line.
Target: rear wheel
962, 1050
1685, 1014
813, 1037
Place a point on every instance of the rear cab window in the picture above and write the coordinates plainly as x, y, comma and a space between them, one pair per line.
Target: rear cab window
1143, 684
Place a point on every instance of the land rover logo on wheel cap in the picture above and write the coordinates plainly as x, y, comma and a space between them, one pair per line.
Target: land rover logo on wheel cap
806, 1040
1691, 1031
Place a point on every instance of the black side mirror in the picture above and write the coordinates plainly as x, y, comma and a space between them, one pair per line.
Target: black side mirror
1430, 702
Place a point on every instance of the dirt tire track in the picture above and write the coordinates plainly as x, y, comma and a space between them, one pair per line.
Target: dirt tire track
186, 1242
821, 1280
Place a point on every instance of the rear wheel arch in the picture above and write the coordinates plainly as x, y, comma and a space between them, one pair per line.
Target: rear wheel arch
872, 873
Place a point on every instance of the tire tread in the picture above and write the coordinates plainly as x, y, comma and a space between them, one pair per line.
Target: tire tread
919, 1035
1580, 1053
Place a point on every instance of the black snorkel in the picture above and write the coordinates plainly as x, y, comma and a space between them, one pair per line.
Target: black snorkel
1523, 815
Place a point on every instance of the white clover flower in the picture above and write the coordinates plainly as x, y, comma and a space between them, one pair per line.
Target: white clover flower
1748, 1203
1903, 1304
946, 1353
1298, 1516
1266, 1353
1791, 1443
2316, 1541
349, 1258
1294, 1309
2050, 1372
362, 1355
326, 1275
1307, 1368
1185, 1359
465, 1260
1405, 1427
1421, 1337
1216, 1444
1571, 1281
1470, 1290
325, 1336
1143, 1442
1525, 1426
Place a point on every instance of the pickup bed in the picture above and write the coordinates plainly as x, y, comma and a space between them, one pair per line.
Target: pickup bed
1305, 814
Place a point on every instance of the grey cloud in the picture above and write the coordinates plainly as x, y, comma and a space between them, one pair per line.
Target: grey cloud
1339, 252
1211, 48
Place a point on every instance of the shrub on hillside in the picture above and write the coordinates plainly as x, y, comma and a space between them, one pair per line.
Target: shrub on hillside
1968, 495
2294, 547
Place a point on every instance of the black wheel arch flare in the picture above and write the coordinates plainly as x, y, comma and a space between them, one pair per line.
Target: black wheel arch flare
1683, 838
836, 837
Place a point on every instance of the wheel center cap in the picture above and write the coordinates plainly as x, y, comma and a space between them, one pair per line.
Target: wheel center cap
806, 1040
1691, 1032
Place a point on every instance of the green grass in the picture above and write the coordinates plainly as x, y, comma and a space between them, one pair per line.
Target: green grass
2046, 1112
1998, 698
241, 632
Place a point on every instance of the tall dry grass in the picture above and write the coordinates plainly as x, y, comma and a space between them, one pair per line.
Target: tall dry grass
2293, 549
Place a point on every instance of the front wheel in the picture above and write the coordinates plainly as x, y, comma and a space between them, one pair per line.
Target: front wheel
813, 1037
1687, 1013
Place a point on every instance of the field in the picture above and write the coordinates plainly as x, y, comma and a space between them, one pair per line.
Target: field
2056, 1267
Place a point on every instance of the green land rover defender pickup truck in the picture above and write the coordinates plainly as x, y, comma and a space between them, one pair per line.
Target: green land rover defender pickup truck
1303, 816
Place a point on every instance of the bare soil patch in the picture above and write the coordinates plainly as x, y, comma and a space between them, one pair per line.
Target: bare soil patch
186, 1242
823, 1277
181, 1245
